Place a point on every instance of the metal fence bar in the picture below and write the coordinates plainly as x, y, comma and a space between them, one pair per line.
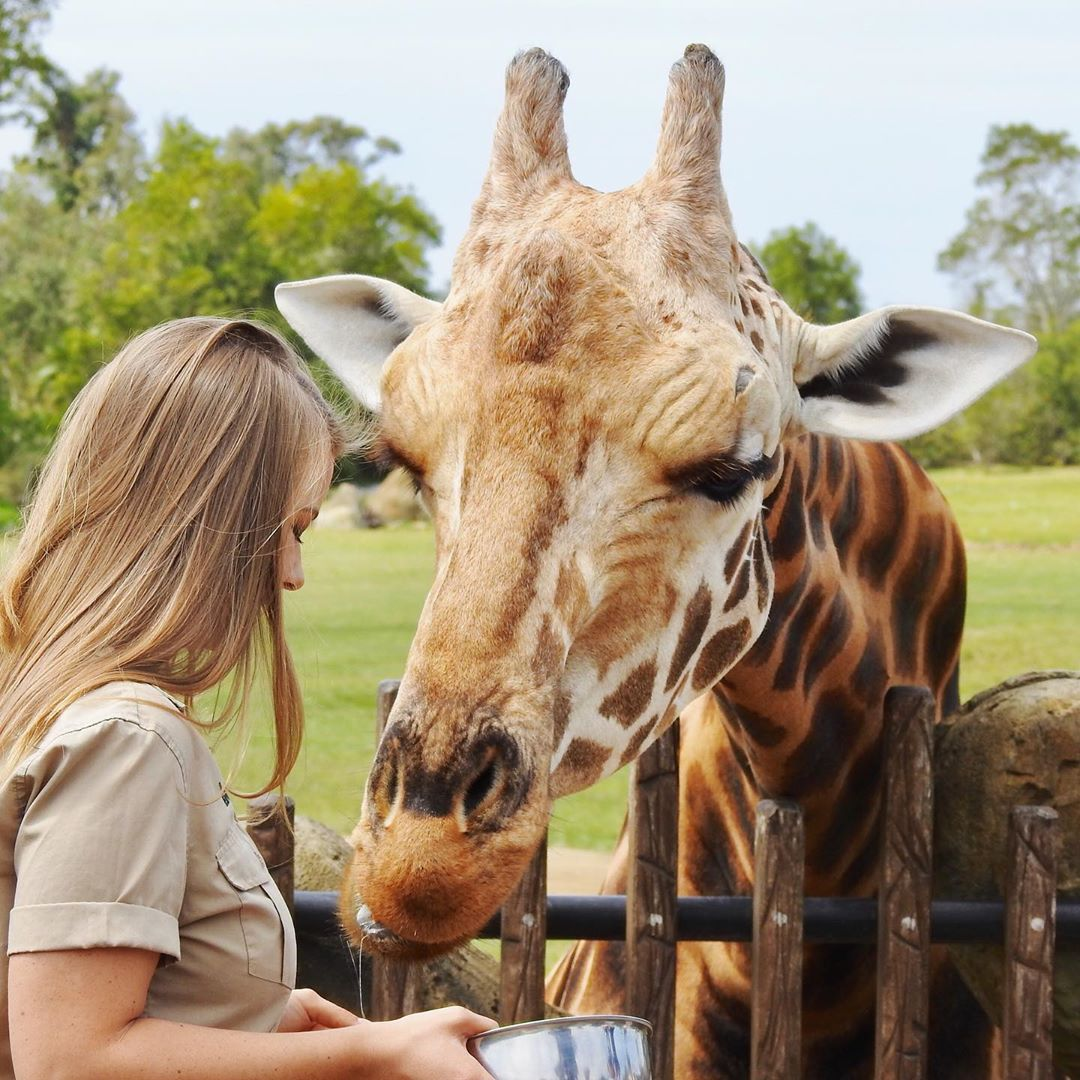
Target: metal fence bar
826, 921
776, 980
1030, 885
652, 895
395, 985
523, 932
903, 954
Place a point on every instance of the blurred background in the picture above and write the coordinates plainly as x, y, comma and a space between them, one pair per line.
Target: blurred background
164, 160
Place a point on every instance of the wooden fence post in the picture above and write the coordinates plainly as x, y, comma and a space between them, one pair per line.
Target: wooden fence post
776, 988
1030, 896
903, 953
396, 987
524, 937
651, 895
272, 832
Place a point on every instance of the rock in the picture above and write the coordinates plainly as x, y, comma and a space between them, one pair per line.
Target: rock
343, 508
394, 500
321, 856
1017, 744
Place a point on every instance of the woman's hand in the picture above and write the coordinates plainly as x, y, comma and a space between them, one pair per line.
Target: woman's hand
428, 1044
306, 1011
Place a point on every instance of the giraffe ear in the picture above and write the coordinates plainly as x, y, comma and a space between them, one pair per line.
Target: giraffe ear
354, 323
900, 371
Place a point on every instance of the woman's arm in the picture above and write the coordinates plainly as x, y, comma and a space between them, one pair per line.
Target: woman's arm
78, 1014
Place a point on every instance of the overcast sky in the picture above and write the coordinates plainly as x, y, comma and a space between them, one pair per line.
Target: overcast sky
866, 117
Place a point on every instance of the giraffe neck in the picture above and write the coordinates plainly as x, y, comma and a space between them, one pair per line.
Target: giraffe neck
869, 592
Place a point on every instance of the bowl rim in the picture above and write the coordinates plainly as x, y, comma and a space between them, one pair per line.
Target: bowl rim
585, 1020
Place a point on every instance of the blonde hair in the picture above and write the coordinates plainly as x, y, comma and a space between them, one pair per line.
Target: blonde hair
150, 552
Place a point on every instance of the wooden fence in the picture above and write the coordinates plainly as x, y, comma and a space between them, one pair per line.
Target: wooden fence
654, 918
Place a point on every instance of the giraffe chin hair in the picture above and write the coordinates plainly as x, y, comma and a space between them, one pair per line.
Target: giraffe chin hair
370, 936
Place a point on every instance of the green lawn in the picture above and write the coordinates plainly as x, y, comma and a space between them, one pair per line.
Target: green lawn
351, 625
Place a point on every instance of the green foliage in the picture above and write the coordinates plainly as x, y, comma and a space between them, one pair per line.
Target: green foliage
21, 59
814, 274
9, 516
1018, 254
84, 142
98, 242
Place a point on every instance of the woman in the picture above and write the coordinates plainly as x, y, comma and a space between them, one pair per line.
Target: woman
140, 933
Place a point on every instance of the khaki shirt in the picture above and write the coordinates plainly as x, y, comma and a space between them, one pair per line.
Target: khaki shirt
114, 832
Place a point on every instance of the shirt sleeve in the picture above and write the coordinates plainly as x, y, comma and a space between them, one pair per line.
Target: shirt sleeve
101, 853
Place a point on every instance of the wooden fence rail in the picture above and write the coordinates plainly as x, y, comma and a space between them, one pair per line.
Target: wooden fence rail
906, 920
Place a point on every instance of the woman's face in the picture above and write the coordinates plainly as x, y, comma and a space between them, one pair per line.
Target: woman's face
312, 491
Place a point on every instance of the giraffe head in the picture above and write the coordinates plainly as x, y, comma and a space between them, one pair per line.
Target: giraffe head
592, 416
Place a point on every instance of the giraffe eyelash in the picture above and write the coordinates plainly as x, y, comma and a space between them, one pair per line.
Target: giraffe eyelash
386, 457
723, 480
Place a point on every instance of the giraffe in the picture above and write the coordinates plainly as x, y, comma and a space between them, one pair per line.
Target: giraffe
650, 498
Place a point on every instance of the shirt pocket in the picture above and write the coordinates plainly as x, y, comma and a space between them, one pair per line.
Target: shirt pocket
269, 938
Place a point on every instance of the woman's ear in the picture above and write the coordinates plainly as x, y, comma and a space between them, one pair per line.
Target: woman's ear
900, 371
354, 323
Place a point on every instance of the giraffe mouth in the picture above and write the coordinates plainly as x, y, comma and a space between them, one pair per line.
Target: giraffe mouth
381, 940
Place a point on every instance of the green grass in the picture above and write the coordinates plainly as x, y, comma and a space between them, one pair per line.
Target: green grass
351, 625
1005, 505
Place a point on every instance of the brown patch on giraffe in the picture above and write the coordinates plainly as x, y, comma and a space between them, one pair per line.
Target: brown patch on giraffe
757, 341
720, 652
538, 306
548, 657
625, 618
695, 622
560, 713
678, 260
633, 747
520, 596
589, 432
756, 308
571, 594
480, 248
740, 326
737, 552
744, 306
632, 696
585, 758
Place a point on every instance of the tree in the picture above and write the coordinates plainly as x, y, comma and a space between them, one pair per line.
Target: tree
280, 152
814, 274
96, 245
21, 59
85, 145
1019, 251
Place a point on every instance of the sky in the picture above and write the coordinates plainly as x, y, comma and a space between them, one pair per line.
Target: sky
866, 117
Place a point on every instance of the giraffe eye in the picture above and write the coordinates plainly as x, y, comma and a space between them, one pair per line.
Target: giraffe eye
724, 490
723, 480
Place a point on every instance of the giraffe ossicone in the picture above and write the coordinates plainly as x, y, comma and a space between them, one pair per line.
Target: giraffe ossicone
596, 417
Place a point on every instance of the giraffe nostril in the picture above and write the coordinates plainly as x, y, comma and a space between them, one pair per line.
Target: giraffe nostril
480, 787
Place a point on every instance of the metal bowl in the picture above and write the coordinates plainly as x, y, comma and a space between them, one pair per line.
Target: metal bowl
567, 1048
